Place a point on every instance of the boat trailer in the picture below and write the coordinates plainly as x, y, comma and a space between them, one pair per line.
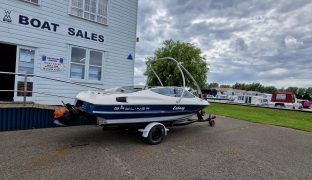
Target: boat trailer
153, 132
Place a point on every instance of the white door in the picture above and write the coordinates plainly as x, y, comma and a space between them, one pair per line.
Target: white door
25, 61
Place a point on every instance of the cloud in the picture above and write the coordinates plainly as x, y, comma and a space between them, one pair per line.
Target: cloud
244, 41
291, 42
139, 70
239, 45
274, 72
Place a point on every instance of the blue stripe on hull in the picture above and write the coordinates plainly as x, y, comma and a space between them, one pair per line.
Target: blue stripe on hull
139, 111
136, 116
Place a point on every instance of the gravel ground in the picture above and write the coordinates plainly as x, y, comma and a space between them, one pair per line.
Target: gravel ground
232, 149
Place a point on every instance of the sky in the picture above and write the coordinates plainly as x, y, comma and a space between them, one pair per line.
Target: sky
245, 41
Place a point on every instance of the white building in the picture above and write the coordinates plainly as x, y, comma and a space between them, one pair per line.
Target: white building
86, 41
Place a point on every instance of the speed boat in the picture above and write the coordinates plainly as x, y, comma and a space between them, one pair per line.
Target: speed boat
138, 107
128, 105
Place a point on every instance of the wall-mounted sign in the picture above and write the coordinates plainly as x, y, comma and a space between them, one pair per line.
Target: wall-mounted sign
52, 64
7, 17
49, 26
130, 57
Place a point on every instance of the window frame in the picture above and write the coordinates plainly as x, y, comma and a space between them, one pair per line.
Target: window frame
96, 14
96, 66
29, 1
281, 97
18, 61
76, 63
21, 78
87, 65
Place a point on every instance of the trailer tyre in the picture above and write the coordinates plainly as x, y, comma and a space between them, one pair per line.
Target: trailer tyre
156, 134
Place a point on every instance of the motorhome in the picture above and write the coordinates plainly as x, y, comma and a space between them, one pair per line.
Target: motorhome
286, 100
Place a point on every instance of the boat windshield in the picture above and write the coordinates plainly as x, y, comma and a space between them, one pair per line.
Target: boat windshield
173, 92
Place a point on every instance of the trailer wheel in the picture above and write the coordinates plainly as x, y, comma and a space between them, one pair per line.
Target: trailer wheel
156, 134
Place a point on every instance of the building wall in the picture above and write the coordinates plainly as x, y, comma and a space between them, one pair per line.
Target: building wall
119, 42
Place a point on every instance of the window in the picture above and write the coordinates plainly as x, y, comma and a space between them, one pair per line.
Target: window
32, 1
25, 65
93, 10
95, 67
21, 88
26, 61
280, 96
78, 63
86, 64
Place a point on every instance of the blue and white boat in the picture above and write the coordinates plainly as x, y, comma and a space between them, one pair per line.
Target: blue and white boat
152, 109
127, 105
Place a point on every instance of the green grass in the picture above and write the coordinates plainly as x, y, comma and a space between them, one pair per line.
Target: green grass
290, 119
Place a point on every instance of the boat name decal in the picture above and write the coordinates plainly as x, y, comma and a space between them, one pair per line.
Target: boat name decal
178, 108
122, 108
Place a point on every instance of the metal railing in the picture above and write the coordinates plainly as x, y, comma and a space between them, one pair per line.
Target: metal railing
24, 92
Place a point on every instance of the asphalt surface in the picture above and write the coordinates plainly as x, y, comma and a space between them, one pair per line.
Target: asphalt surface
232, 149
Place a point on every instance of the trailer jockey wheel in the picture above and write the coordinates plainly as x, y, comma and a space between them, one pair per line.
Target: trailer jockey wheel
212, 123
156, 134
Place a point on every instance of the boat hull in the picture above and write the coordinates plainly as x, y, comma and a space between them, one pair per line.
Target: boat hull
121, 114
144, 120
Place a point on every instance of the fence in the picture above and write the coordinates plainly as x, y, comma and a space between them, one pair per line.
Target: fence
18, 118
24, 90
28, 118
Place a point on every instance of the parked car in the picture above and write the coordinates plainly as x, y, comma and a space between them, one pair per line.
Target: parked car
305, 103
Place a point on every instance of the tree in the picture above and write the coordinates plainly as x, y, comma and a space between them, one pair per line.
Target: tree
241, 86
270, 89
187, 54
292, 89
213, 85
300, 93
225, 86
306, 96
281, 89
308, 93
255, 87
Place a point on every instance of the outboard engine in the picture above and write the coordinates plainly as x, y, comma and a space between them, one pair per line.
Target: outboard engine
69, 115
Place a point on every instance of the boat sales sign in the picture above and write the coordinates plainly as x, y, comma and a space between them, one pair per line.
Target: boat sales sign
50, 26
